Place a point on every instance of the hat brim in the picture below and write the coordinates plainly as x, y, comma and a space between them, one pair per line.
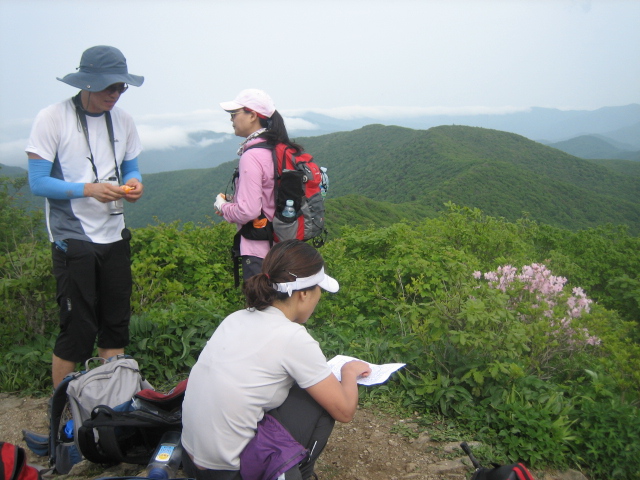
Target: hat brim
329, 284
231, 106
96, 83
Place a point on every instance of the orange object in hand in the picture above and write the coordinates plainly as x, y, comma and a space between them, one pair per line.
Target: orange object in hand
126, 188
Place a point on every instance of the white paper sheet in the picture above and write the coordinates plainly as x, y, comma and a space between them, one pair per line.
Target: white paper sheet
379, 373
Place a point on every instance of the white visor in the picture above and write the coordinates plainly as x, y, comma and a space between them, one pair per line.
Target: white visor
321, 279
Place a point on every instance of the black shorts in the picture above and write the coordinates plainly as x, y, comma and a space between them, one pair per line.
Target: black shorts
94, 297
251, 266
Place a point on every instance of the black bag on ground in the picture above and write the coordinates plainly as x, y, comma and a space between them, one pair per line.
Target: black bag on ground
131, 436
515, 471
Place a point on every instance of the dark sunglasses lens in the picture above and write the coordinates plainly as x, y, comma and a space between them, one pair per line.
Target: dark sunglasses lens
117, 88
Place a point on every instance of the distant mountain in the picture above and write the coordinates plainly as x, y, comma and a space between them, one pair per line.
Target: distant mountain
9, 171
596, 146
540, 124
548, 124
205, 149
184, 195
417, 171
628, 136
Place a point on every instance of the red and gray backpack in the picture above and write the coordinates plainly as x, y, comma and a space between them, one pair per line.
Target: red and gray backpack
298, 178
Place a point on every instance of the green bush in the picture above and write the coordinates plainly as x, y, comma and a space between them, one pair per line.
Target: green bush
27, 368
166, 343
526, 421
173, 261
27, 288
607, 441
492, 353
606, 429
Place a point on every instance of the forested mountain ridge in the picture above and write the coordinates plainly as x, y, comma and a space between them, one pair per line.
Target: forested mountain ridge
374, 159
625, 167
406, 173
503, 174
499, 172
596, 146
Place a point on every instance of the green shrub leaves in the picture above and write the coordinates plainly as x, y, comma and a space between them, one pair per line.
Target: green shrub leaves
449, 297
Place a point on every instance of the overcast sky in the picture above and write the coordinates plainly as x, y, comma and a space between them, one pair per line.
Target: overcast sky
343, 58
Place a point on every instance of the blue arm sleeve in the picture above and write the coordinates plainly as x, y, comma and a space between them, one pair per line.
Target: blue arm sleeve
130, 170
42, 184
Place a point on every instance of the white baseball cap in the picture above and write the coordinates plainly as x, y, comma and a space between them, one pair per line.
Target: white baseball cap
253, 99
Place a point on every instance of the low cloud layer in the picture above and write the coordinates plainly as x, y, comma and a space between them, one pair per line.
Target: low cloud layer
159, 132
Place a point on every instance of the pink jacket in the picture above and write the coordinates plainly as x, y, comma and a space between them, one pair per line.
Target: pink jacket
254, 194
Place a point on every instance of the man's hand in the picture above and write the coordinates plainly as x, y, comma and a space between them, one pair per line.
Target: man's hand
135, 190
103, 192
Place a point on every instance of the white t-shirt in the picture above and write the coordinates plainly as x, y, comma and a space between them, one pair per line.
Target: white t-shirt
245, 370
57, 136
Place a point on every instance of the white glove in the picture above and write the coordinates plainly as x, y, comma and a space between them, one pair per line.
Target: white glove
220, 200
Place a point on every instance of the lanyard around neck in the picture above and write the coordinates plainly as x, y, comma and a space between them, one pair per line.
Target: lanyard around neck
83, 121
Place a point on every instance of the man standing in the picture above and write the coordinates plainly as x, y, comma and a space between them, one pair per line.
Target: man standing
83, 159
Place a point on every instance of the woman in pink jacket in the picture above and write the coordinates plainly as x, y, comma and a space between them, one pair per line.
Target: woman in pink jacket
253, 116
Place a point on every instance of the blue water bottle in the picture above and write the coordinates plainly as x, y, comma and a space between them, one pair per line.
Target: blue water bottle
166, 459
68, 430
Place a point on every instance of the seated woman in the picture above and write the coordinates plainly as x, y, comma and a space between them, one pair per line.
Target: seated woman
262, 360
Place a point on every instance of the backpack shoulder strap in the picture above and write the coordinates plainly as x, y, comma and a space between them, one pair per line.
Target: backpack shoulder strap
58, 403
273, 148
276, 170
87, 444
260, 145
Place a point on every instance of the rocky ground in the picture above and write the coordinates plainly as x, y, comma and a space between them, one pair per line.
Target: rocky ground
375, 446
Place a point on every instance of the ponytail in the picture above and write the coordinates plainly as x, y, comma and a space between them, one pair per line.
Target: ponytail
259, 292
277, 132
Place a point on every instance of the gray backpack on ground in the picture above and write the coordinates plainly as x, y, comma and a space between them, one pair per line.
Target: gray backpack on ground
113, 383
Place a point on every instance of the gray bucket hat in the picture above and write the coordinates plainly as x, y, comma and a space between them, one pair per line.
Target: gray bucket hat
100, 67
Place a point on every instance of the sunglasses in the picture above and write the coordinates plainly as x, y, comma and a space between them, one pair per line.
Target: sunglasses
116, 87
236, 112
246, 110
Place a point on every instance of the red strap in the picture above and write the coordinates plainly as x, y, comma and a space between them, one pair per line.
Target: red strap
522, 472
150, 394
300, 233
